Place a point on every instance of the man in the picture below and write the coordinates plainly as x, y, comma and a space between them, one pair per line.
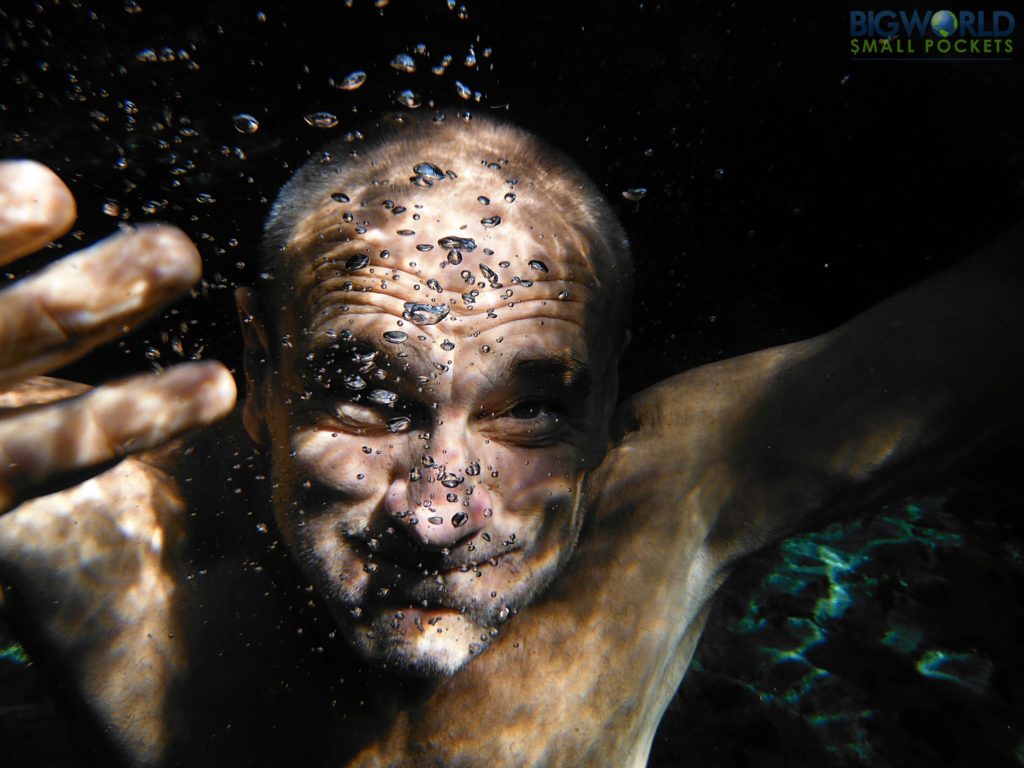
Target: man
431, 375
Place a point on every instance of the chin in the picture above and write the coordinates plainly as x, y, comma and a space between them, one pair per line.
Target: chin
417, 641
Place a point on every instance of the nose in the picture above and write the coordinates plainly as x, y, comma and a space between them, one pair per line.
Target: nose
444, 506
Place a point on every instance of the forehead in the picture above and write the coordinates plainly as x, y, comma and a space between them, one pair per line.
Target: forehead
464, 249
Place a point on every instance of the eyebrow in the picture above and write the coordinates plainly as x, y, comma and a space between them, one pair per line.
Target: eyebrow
558, 369
338, 355
561, 368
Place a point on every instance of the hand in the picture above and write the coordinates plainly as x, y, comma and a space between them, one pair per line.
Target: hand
58, 315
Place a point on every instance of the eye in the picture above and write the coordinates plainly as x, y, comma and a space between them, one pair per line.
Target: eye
370, 415
532, 409
359, 415
346, 416
529, 422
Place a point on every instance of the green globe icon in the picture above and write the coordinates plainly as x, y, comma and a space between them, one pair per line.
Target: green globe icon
944, 23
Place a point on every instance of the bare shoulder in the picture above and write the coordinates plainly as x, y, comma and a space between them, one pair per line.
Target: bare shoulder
704, 402
681, 445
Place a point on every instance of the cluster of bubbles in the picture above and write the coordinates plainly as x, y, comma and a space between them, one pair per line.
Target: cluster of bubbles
405, 63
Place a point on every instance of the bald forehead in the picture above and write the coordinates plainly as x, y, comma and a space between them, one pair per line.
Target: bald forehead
451, 249
452, 196
479, 224
451, 230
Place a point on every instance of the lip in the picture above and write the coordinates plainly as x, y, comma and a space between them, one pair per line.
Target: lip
434, 564
408, 586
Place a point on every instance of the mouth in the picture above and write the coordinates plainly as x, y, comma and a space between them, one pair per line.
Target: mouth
431, 587
385, 554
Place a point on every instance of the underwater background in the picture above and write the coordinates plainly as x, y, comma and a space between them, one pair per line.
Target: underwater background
771, 187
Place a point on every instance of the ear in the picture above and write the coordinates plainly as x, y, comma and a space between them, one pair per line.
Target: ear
257, 346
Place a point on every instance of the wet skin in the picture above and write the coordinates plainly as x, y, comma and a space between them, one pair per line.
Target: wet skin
432, 468
704, 468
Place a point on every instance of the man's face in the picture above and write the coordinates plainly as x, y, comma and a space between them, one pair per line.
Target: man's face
435, 408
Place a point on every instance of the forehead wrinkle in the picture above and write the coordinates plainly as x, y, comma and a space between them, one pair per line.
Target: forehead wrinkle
358, 304
538, 230
362, 319
332, 287
331, 248
326, 274
367, 341
329, 302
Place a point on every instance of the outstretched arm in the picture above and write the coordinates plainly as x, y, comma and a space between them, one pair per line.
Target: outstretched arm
88, 572
801, 433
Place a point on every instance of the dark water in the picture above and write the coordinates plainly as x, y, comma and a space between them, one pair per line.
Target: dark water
788, 189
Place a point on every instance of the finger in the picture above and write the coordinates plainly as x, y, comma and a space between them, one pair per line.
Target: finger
39, 448
85, 299
35, 208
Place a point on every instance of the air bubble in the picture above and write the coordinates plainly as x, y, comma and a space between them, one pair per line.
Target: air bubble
428, 171
403, 62
354, 382
245, 123
539, 265
351, 81
340, 197
399, 424
359, 261
449, 480
409, 99
395, 337
382, 397
635, 194
425, 314
460, 243
321, 119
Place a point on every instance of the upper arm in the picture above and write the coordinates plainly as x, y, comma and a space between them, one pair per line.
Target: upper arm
801, 433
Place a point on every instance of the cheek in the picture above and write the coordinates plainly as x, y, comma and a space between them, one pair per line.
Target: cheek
345, 467
535, 488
